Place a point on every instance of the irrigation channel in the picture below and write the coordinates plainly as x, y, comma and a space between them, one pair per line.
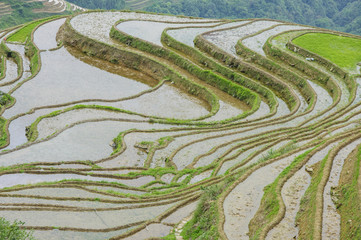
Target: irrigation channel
125, 125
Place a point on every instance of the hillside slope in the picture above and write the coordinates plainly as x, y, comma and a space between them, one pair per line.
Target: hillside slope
100, 4
15, 12
341, 15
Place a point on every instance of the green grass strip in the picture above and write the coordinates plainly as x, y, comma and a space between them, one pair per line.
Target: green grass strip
348, 198
237, 91
2, 65
33, 53
3, 133
203, 225
202, 59
341, 50
5, 101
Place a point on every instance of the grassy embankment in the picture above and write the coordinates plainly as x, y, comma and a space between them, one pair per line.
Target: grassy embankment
2, 65
347, 197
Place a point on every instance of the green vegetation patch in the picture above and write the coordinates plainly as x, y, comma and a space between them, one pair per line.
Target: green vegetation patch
12, 230
3, 133
343, 51
2, 66
203, 225
5, 99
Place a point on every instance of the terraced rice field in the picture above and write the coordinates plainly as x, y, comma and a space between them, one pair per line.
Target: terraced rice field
5, 9
122, 125
56, 6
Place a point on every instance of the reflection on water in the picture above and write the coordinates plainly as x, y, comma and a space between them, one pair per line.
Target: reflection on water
11, 72
149, 31
70, 235
77, 143
45, 35
63, 78
11, 180
50, 191
155, 230
227, 39
87, 135
169, 102
85, 220
84, 23
256, 43
242, 203
187, 35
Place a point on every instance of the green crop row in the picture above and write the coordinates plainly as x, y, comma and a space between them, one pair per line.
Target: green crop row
277, 69
207, 62
280, 89
233, 89
2, 65
347, 197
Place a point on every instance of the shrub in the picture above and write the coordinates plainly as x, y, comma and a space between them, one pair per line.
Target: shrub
4, 99
12, 231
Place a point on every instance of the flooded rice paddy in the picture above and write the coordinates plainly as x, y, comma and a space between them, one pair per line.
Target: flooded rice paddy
97, 150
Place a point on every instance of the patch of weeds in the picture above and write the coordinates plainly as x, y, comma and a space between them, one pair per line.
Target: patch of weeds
5, 99
170, 237
3, 133
204, 223
271, 154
